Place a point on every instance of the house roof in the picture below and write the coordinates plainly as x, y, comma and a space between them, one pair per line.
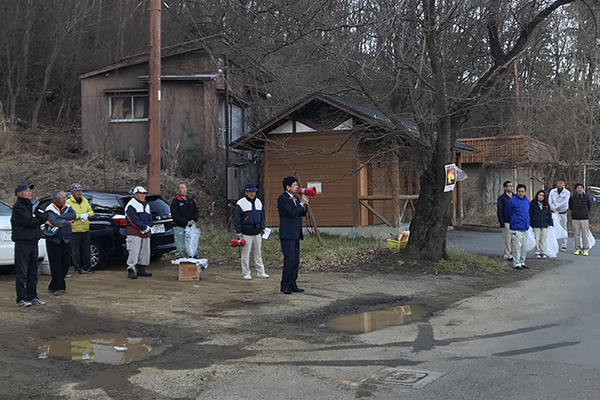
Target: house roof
372, 115
218, 44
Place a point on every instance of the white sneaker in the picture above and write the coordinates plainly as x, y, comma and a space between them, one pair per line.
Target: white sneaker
247, 277
38, 302
23, 303
262, 275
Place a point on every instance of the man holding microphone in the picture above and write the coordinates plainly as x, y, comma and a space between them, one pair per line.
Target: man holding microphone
291, 210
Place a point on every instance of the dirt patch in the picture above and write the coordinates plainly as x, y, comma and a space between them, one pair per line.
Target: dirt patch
210, 323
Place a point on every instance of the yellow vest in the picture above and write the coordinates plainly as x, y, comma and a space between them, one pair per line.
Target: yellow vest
82, 208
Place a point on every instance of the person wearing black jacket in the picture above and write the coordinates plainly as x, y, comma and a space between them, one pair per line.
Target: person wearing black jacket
504, 224
249, 226
25, 221
540, 217
580, 206
185, 213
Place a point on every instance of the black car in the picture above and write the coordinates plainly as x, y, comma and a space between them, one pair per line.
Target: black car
107, 226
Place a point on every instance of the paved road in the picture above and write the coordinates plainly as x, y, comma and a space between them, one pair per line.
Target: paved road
537, 339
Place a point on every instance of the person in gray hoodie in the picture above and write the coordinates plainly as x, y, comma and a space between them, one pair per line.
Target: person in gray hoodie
58, 235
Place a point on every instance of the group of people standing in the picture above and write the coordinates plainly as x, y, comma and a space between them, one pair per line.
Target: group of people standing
66, 226
516, 214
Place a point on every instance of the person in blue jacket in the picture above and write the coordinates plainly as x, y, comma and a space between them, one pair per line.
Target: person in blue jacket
291, 210
250, 225
517, 215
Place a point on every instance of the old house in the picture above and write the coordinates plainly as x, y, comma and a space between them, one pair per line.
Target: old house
325, 140
520, 159
114, 109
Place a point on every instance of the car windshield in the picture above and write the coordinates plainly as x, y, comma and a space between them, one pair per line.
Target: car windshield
106, 206
5, 210
159, 209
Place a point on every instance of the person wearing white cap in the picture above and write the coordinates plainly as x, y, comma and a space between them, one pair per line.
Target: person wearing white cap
139, 224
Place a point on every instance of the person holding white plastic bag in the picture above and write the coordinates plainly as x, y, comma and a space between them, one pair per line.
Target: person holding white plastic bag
185, 214
540, 217
250, 225
558, 200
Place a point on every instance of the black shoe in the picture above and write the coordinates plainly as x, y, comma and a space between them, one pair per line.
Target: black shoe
524, 266
298, 290
142, 271
287, 291
131, 273
89, 271
79, 272
509, 259
518, 268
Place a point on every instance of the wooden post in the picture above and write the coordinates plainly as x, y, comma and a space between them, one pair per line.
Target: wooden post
459, 194
311, 217
153, 176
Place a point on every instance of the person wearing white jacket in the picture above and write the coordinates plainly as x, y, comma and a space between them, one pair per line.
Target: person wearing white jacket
558, 199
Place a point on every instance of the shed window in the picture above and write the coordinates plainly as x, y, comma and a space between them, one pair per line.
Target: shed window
238, 124
128, 108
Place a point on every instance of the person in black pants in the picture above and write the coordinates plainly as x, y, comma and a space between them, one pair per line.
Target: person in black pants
58, 234
25, 220
291, 210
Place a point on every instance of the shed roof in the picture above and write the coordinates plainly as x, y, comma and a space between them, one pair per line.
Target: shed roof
516, 149
369, 114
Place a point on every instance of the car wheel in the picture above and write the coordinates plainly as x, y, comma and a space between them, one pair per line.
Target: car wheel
98, 256
155, 257
6, 269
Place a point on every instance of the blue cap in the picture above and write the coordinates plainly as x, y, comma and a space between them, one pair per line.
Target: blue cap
22, 186
250, 187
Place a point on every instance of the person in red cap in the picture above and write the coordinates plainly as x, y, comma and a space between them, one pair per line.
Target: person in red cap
25, 222
250, 225
139, 224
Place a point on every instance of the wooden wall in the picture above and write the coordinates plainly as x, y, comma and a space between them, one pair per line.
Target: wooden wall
337, 205
509, 149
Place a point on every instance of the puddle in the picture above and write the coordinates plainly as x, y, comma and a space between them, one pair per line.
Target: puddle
103, 349
375, 320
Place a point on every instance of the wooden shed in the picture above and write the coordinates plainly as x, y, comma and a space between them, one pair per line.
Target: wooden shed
322, 139
520, 159
114, 101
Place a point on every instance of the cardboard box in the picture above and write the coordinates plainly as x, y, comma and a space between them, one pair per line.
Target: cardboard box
188, 272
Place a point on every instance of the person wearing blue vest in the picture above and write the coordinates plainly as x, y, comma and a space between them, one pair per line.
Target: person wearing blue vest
291, 210
517, 215
249, 226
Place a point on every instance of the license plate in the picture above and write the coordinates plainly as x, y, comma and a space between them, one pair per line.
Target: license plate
158, 228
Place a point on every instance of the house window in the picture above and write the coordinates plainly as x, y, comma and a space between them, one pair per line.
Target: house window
126, 108
238, 121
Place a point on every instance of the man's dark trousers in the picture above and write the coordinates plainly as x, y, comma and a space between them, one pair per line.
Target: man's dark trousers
26, 255
80, 251
59, 255
291, 262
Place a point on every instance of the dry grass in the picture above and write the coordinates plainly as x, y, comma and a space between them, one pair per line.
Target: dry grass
52, 160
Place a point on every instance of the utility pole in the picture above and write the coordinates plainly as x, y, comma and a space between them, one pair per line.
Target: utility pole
154, 99
227, 136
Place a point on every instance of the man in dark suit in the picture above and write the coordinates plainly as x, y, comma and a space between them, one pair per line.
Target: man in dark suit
291, 210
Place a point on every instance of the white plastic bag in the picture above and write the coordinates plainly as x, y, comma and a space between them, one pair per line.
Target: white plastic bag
192, 235
559, 231
551, 248
44, 267
530, 239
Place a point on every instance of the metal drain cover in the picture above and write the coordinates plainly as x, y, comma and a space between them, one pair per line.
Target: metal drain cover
403, 377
